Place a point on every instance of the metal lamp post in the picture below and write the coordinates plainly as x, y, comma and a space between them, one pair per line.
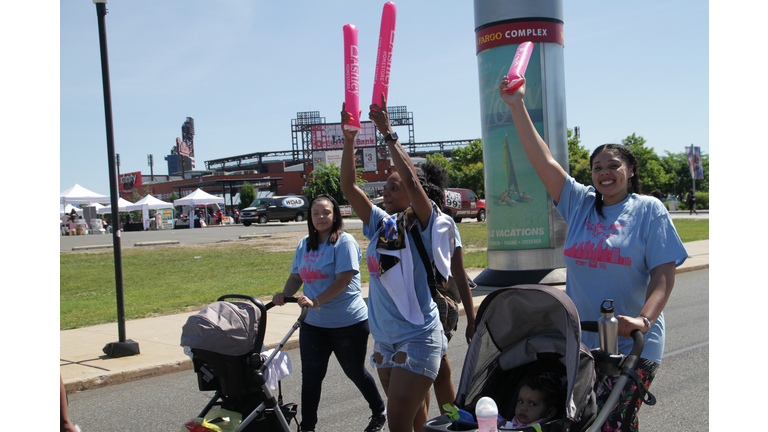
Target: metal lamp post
123, 347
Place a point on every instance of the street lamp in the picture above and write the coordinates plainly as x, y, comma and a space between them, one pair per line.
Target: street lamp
124, 347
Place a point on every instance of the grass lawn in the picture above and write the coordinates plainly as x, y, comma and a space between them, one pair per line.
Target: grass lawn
174, 279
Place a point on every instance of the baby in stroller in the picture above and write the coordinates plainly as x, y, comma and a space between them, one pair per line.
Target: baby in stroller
523, 331
538, 399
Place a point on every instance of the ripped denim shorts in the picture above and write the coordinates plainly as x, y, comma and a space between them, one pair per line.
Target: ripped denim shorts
423, 353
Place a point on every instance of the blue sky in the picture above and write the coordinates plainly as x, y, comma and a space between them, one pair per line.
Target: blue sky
244, 69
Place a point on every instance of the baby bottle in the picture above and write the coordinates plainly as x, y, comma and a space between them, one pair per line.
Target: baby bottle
486, 413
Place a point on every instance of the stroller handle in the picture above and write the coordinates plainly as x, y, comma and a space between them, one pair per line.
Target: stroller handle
637, 337
290, 299
287, 299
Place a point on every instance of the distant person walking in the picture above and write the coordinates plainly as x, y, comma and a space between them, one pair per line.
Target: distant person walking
691, 200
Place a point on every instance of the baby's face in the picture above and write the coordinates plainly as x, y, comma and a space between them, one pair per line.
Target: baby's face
530, 406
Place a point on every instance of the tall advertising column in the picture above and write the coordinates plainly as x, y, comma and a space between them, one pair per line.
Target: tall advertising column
526, 234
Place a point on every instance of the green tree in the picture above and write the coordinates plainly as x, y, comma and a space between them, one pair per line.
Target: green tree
247, 195
439, 159
578, 160
466, 168
679, 181
325, 179
651, 171
471, 154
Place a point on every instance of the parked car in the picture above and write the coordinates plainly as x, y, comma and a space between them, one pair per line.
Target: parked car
461, 203
282, 208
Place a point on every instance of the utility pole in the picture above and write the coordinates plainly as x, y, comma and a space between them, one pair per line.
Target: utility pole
124, 347
151, 167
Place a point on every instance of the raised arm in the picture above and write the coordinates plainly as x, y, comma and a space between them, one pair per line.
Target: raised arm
403, 164
550, 172
356, 197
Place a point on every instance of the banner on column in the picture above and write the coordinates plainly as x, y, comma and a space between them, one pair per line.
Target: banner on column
515, 198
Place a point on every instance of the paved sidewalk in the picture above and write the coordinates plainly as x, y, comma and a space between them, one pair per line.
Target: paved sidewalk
84, 366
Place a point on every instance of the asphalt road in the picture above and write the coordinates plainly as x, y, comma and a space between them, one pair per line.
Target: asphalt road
164, 403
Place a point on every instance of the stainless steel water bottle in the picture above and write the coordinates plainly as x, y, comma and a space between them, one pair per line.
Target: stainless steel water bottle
608, 329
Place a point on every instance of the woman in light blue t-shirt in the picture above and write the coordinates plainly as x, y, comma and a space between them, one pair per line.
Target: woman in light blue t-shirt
327, 264
405, 323
619, 246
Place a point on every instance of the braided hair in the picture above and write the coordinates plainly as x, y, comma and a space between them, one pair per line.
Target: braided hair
434, 180
626, 155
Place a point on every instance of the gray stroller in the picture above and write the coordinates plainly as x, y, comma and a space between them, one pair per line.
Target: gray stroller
529, 328
225, 339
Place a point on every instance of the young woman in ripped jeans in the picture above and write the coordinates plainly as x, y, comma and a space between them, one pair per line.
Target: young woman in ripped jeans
404, 321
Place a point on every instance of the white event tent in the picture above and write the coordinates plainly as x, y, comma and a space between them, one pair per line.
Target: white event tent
198, 197
146, 204
122, 205
80, 195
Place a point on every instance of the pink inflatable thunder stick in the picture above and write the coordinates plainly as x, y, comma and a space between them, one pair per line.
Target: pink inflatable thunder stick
519, 64
384, 56
351, 76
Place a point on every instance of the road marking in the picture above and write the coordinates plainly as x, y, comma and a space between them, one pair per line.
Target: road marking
685, 349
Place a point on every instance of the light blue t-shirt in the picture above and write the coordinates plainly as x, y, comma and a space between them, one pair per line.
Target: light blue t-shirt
318, 270
611, 257
386, 322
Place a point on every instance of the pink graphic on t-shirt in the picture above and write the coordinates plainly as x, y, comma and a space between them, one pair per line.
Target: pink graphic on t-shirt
373, 266
596, 253
308, 275
599, 230
311, 257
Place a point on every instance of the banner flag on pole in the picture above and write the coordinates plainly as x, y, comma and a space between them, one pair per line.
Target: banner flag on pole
694, 162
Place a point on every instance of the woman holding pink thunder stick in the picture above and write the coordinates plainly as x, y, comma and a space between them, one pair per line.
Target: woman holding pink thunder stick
638, 249
404, 321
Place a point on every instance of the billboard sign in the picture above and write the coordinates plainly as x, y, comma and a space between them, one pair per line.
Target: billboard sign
330, 137
166, 218
129, 181
369, 159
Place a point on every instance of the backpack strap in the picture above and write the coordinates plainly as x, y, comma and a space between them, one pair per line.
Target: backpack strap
424, 258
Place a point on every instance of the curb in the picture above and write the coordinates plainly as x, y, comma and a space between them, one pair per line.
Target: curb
157, 243
253, 236
77, 248
692, 268
148, 372
127, 376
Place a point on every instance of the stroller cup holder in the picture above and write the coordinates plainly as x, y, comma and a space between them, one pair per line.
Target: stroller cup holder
608, 364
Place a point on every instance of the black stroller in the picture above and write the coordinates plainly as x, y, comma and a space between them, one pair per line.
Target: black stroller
534, 327
225, 339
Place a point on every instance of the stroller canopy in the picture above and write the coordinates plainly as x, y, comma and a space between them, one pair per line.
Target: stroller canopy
229, 328
513, 326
